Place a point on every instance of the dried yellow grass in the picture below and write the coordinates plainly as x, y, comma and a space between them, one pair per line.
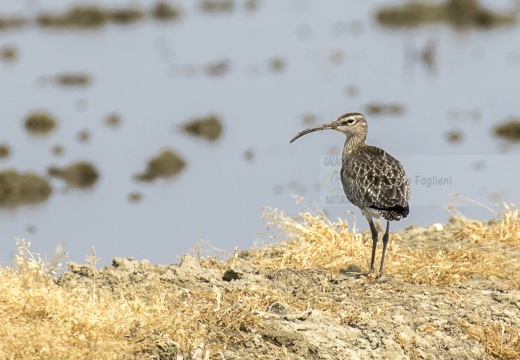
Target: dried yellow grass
470, 248
463, 250
42, 320
501, 341
313, 241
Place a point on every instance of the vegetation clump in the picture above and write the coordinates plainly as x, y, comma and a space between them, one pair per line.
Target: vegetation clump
113, 120
209, 128
135, 197
218, 68
79, 17
277, 64
22, 188
5, 151
376, 108
89, 313
14, 22
458, 13
509, 130
166, 164
80, 174
57, 150
8, 53
477, 249
162, 11
71, 79
125, 16
83, 136
454, 136
94, 17
215, 6
40, 123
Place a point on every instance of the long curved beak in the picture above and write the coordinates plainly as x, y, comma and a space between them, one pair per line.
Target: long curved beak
312, 129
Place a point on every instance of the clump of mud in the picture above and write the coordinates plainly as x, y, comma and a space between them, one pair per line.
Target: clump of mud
135, 197
310, 118
80, 174
8, 53
277, 65
5, 151
249, 155
77, 79
163, 11
454, 136
209, 128
376, 108
93, 17
14, 22
509, 130
113, 120
22, 188
77, 17
125, 16
458, 13
40, 123
251, 5
57, 150
216, 6
218, 68
165, 165
83, 136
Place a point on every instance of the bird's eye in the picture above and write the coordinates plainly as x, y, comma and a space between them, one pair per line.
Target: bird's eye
351, 121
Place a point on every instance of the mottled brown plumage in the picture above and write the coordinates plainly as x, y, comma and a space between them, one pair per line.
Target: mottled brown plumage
372, 179
375, 181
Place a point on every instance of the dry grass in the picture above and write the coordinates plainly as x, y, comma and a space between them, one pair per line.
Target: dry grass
501, 341
313, 241
473, 249
89, 322
162, 320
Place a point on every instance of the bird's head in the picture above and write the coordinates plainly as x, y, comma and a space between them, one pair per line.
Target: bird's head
350, 124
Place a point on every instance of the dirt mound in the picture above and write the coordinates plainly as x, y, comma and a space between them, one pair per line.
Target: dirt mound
317, 314
450, 292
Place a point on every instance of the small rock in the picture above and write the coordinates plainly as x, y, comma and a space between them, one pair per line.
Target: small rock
124, 263
278, 308
231, 274
438, 227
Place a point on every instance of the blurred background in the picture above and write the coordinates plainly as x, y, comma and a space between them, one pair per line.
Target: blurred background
145, 128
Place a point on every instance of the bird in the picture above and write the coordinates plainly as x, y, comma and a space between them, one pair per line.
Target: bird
373, 180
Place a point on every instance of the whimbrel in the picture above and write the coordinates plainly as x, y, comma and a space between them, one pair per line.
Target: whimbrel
372, 179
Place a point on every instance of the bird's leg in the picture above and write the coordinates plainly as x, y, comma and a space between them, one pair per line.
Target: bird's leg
374, 242
385, 243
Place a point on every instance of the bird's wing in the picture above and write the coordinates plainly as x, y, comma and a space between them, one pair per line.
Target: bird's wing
380, 180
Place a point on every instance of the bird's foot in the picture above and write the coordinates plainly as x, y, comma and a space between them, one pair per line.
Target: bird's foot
371, 275
382, 278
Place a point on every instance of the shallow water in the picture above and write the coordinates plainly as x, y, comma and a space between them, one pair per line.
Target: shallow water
282, 62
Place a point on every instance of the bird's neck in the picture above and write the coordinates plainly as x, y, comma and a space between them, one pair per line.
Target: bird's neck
352, 143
